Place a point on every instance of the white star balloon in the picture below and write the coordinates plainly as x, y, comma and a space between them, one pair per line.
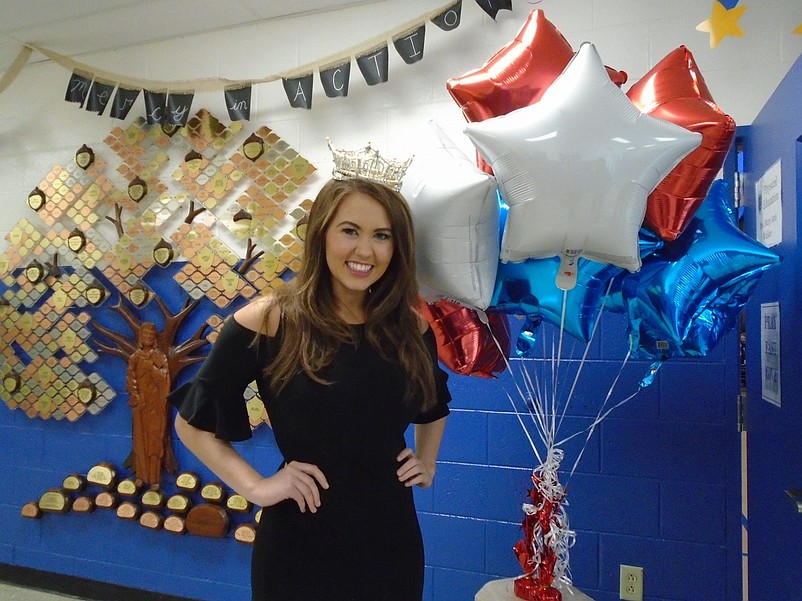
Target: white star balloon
576, 168
455, 210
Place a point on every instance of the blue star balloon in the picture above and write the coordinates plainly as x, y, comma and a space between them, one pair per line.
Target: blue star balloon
648, 243
689, 293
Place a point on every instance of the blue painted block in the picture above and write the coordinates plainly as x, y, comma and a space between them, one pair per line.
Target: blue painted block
672, 570
6, 554
21, 447
693, 392
470, 392
583, 560
428, 592
453, 542
500, 558
44, 560
696, 512
680, 451
480, 492
71, 452
508, 444
424, 497
601, 503
465, 437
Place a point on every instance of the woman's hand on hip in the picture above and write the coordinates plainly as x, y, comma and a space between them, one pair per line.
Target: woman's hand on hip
298, 481
413, 471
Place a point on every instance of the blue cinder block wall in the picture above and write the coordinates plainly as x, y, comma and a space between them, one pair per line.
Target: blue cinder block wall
657, 487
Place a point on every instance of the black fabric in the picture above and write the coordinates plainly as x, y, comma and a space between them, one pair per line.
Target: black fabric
364, 542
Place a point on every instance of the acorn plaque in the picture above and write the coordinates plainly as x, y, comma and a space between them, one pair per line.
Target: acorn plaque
106, 500
208, 520
129, 487
103, 475
239, 504
31, 510
83, 504
74, 483
187, 481
214, 493
151, 519
179, 503
153, 498
128, 510
245, 533
55, 500
175, 524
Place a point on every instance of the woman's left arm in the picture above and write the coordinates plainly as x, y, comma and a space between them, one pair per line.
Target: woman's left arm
418, 466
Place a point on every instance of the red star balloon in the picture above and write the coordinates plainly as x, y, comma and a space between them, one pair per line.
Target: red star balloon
518, 74
675, 90
465, 344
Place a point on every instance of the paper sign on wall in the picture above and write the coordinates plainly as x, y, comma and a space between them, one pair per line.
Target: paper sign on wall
768, 191
770, 353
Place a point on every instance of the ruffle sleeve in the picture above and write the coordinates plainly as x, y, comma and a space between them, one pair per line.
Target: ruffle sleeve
440, 409
214, 399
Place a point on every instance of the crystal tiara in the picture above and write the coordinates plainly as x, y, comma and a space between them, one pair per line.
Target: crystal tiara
366, 163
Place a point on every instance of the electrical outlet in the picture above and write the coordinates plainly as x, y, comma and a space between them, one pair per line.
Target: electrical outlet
631, 583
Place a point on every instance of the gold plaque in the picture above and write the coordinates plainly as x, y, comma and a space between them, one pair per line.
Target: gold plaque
152, 520
86, 392
213, 492
106, 500
245, 533
138, 295
35, 272
83, 505
103, 474
31, 510
95, 294
175, 524
84, 157
179, 503
12, 383
137, 189
163, 253
239, 504
55, 501
76, 241
129, 487
74, 483
253, 147
128, 510
153, 498
258, 517
300, 229
188, 481
36, 199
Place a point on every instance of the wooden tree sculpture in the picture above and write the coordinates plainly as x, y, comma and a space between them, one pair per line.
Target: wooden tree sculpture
154, 360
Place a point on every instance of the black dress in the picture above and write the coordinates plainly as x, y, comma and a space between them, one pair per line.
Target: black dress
364, 542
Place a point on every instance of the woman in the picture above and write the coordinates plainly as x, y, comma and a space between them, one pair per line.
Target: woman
344, 364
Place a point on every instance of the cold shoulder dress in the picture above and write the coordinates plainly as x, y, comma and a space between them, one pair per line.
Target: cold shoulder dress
364, 542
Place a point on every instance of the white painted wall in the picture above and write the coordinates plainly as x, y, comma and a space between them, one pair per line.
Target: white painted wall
38, 129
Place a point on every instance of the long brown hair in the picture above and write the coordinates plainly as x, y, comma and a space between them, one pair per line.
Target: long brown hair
312, 331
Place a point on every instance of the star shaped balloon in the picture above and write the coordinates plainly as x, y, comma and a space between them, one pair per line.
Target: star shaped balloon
689, 293
456, 215
723, 21
675, 90
576, 169
518, 74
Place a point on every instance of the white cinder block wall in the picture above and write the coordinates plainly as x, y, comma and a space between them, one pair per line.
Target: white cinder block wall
38, 129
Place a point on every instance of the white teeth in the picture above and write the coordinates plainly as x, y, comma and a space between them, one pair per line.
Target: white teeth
359, 267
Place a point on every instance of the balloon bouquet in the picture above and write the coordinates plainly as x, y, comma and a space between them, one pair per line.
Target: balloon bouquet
584, 198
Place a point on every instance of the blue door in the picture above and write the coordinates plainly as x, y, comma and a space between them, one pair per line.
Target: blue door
774, 430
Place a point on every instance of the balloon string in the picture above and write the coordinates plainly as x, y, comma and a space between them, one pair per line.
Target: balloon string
584, 354
540, 427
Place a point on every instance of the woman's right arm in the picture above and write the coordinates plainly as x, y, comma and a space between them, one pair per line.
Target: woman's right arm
298, 481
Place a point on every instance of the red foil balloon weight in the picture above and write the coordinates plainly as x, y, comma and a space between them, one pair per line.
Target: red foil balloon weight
543, 551
675, 90
465, 344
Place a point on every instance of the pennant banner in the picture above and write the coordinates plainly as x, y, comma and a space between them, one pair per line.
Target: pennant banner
99, 96
449, 19
178, 105
410, 45
335, 79
155, 105
123, 101
374, 65
78, 88
238, 103
491, 7
299, 91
